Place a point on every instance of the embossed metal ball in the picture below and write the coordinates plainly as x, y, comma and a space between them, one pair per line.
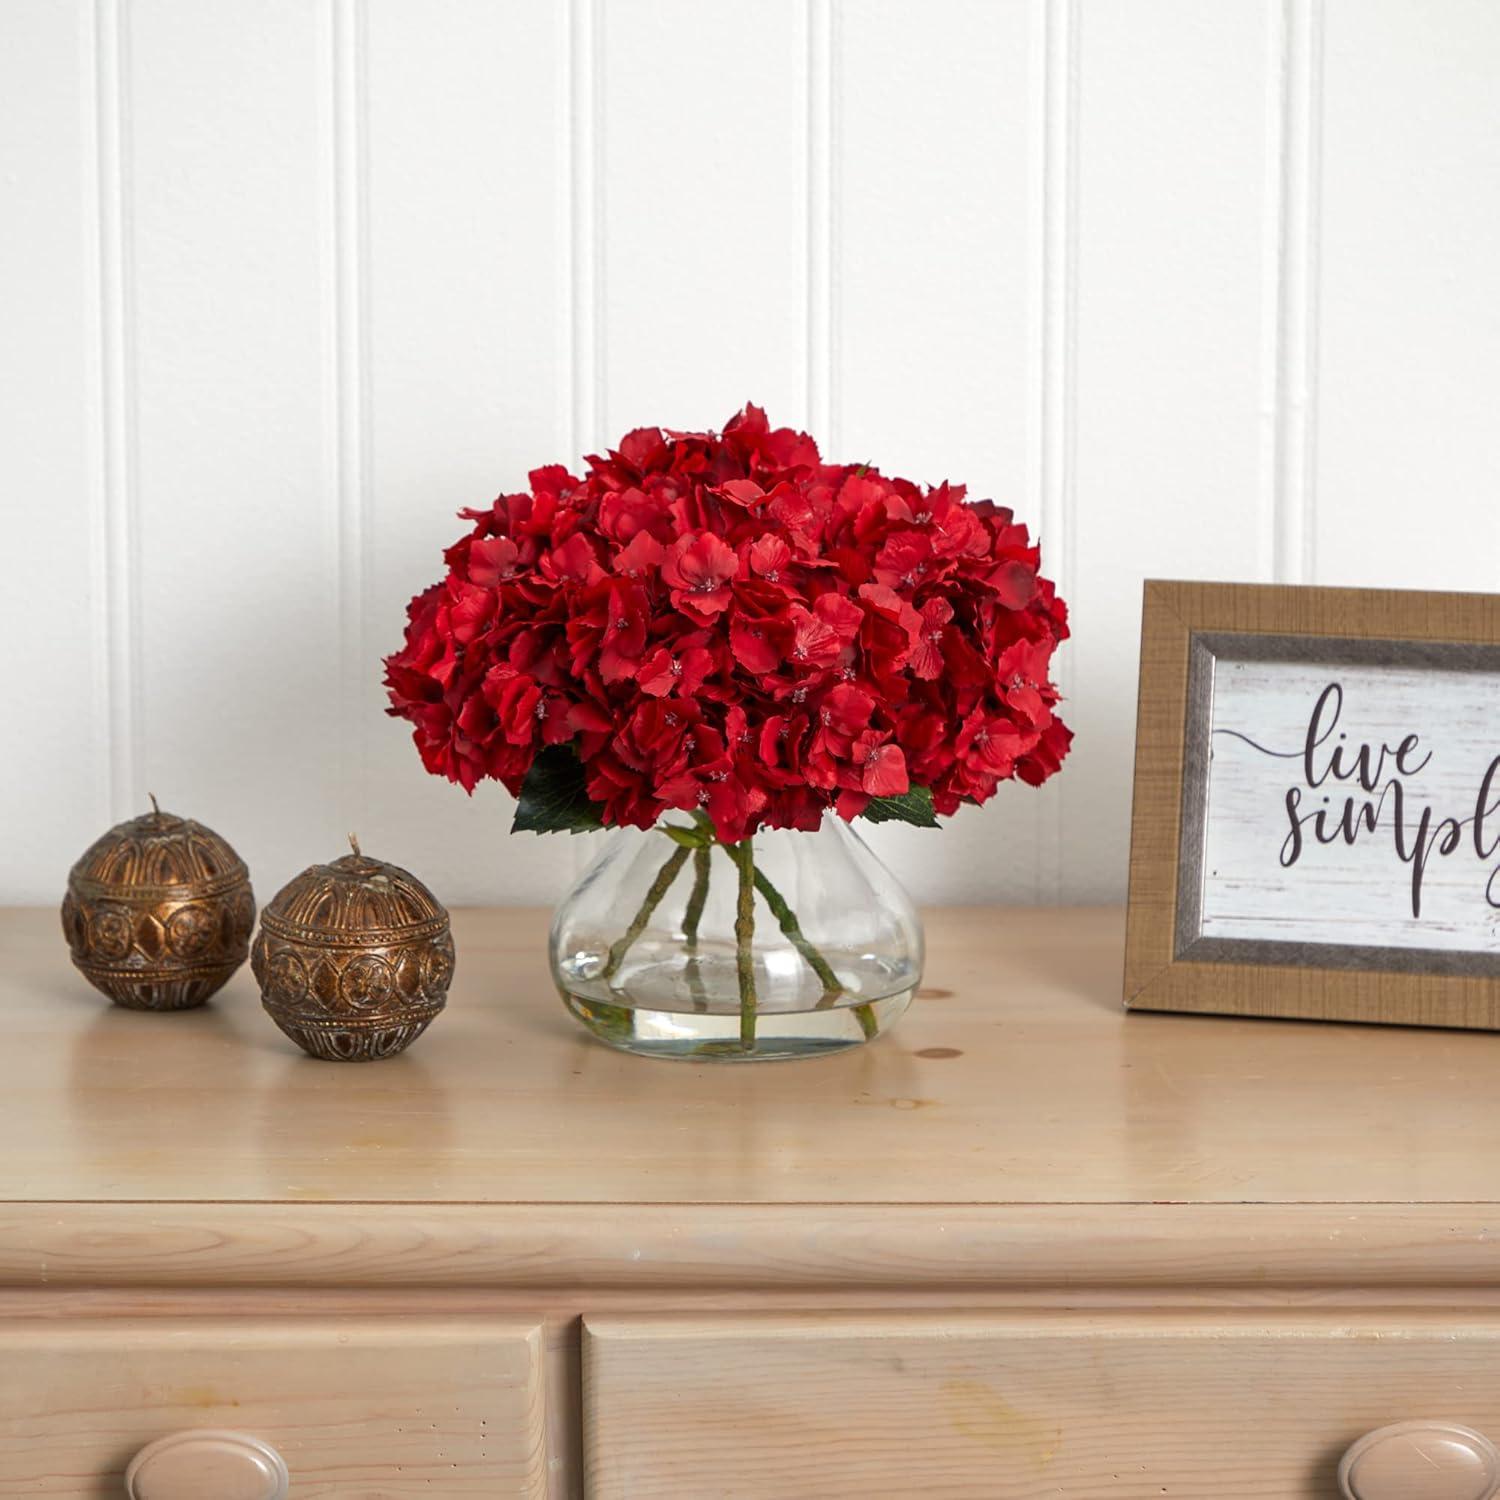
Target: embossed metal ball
159, 912
353, 959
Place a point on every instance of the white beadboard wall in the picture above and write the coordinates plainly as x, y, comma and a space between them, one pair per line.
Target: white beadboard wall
1201, 290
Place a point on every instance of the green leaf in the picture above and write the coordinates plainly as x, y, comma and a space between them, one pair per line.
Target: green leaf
553, 797
689, 838
913, 807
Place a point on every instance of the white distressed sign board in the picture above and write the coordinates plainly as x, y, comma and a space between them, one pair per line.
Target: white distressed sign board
1352, 806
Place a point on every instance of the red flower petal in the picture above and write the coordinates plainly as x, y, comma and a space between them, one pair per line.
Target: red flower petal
754, 645
699, 563
744, 492
884, 773
492, 559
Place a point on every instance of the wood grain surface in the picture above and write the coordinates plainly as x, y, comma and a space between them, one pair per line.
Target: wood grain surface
389, 1407
1016, 1078
719, 1251
187, 1204
1013, 1408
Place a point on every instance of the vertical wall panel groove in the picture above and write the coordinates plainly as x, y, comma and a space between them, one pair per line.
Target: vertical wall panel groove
1293, 166
586, 284
1054, 325
561, 208
63, 453
821, 67
837, 417
120, 614
93, 296
348, 134
585, 48
1273, 280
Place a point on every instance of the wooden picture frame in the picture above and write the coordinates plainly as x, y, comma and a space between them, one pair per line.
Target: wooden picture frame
1172, 960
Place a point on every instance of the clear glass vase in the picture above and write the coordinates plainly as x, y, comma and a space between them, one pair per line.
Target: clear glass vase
788, 944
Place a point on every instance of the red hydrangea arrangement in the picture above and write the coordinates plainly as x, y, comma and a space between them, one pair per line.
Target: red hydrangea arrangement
725, 624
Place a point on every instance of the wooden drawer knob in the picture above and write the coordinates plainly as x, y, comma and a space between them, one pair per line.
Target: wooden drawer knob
1421, 1461
207, 1465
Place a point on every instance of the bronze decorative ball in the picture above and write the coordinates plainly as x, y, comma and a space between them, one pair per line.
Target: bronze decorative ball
159, 912
353, 959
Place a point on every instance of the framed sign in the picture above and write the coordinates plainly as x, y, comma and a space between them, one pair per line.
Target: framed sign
1316, 823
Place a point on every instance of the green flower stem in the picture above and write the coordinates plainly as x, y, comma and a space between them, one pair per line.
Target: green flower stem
690, 920
792, 928
697, 899
659, 887
832, 989
743, 854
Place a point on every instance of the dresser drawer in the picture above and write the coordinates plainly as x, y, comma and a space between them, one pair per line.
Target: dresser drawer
1000, 1407
356, 1408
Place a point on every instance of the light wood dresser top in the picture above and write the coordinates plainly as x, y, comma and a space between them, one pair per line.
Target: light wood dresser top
1016, 1093
1015, 1078
1025, 1245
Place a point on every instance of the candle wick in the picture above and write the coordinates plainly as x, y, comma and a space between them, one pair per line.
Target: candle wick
354, 845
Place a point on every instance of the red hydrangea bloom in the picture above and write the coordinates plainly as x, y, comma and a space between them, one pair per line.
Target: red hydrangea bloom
725, 622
